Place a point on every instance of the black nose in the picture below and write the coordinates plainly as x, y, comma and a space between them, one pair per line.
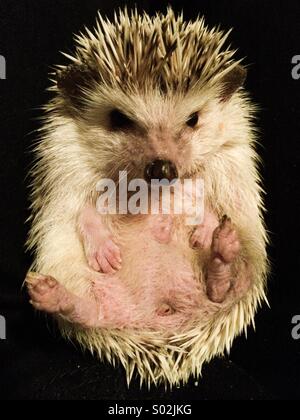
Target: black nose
160, 169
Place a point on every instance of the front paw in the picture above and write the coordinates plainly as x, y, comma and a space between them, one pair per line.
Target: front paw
203, 234
103, 255
201, 238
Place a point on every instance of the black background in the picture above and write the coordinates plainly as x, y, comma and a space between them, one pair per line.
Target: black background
35, 362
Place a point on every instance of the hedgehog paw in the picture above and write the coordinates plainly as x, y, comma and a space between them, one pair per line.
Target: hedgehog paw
202, 235
104, 255
47, 294
50, 296
101, 252
225, 244
225, 249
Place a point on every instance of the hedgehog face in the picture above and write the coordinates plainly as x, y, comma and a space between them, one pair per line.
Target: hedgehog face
133, 132
149, 94
144, 134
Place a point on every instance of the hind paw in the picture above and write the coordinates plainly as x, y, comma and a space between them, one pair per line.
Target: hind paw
47, 294
226, 244
225, 249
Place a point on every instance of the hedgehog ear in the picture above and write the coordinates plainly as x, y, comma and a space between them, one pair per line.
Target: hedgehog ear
233, 80
72, 80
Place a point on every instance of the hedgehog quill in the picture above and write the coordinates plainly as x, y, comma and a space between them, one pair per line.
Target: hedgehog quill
159, 98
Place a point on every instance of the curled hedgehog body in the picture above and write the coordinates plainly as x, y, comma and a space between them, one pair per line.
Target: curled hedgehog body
147, 290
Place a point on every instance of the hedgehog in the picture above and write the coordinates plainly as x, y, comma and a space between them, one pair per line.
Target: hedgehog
158, 98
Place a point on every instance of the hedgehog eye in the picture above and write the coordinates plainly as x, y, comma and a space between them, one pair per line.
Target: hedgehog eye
193, 119
119, 121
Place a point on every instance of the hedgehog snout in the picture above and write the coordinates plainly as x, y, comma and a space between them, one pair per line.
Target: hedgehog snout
160, 169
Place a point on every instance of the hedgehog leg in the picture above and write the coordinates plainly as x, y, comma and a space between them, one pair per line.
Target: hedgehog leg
48, 295
101, 251
225, 249
106, 305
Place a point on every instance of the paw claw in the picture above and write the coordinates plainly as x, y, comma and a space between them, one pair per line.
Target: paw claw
224, 219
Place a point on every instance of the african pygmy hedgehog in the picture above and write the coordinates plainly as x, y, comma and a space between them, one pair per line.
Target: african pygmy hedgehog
159, 98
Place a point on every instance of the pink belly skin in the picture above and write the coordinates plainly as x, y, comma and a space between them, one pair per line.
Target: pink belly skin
146, 273
159, 285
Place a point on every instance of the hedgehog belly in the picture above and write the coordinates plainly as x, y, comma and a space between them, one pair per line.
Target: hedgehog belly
161, 281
